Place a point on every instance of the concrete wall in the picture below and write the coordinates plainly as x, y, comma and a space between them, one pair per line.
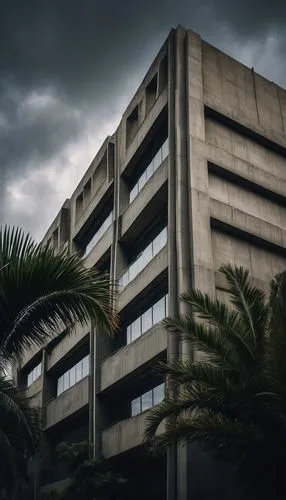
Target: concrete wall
123, 436
66, 345
147, 275
133, 356
67, 403
240, 93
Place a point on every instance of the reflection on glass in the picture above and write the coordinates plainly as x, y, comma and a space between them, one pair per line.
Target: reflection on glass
34, 374
73, 375
135, 407
144, 258
151, 317
147, 321
147, 400
159, 310
150, 170
158, 394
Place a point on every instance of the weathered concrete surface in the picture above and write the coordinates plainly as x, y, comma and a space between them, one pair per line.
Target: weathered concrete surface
67, 403
149, 273
101, 247
133, 356
123, 436
144, 198
66, 345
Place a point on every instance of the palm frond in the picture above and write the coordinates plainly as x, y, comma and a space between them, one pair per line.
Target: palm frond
227, 322
42, 293
248, 300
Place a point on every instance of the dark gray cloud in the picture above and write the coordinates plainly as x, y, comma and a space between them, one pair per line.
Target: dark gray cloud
66, 66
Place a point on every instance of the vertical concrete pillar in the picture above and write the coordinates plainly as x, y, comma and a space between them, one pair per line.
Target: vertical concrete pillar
199, 207
173, 345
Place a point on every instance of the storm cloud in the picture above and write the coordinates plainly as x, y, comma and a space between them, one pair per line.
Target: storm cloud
68, 69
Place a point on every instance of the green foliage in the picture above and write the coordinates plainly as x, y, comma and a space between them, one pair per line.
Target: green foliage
89, 478
41, 294
231, 398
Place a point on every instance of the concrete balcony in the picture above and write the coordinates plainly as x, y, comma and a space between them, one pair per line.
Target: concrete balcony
96, 201
101, 247
133, 356
152, 271
123, 436
69, 402
149, 121
151, 199
66, 345
28, 355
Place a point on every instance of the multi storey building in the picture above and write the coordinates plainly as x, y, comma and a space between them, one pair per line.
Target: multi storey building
194, 176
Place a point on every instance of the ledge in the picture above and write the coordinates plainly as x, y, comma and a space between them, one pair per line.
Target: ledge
133, 356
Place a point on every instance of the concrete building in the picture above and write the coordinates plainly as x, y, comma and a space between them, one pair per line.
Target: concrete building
194, 176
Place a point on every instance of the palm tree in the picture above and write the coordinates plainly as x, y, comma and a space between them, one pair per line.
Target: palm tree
41, 294
231, 397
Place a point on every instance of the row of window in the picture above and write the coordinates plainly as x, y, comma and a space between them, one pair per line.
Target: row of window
150, 170
151, 317
144, 258
99, 233
147, 400
34, 374
73, 375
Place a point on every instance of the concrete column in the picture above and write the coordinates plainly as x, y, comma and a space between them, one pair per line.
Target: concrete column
173, 345
199, 207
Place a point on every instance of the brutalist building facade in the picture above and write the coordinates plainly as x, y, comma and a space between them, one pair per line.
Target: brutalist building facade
194, 176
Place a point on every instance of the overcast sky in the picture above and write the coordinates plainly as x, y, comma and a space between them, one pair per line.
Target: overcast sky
68, 68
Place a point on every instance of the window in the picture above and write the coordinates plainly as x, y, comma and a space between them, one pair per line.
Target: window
144, 258
136, 406
151, 317
150, 170
73, 375
147, 400
159, 393
99, 233
34, 374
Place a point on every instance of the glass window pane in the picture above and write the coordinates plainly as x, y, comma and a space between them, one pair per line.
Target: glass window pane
145, 257
150, 170
146, 400
66, 381
29, 381
128, 339
157, 160
72, 376
85, 366
78, 371
135, 406
136, 329
160, 241
165, 149
133, 193
159, 311
60, 387
158, 394
147, 320
133, 270
142, 180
